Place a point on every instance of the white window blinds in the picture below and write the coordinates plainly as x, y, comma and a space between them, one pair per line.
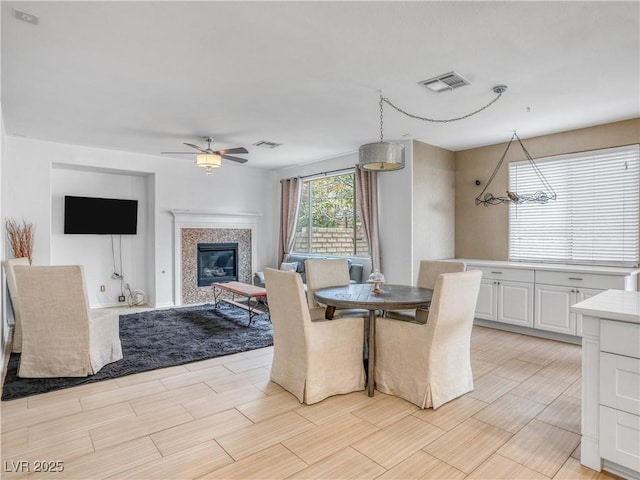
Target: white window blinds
596, 217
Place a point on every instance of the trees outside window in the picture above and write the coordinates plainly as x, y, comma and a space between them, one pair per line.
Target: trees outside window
329, 218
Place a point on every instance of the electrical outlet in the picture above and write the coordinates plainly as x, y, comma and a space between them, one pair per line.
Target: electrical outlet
121, 298
102, 288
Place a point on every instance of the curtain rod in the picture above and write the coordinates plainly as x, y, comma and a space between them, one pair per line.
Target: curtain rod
348, 169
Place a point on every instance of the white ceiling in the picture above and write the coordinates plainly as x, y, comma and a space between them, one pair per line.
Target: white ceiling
147, 76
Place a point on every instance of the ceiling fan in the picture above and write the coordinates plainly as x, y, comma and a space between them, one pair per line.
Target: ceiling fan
208, 158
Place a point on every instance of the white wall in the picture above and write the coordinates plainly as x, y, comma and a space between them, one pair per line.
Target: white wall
433, 204
5, 310
32, 185
101, 253
395, 191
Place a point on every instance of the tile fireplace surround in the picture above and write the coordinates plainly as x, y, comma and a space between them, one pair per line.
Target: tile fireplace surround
192, 228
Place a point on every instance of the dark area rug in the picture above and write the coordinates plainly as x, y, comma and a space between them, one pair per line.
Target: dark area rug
157, 339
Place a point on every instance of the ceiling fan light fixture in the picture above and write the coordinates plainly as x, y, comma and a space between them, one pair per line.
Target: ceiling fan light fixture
208, 161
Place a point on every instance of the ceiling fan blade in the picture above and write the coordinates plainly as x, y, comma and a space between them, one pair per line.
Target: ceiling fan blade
234, 159
196, 147
232, 151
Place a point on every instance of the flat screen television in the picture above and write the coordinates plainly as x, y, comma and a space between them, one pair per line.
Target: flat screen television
100, 216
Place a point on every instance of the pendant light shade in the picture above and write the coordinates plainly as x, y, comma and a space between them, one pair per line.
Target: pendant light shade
381, 156
208, 161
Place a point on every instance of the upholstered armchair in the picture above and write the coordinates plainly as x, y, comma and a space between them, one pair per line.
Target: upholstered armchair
62, 337
312, 360
9, 265
430, 364
428, 273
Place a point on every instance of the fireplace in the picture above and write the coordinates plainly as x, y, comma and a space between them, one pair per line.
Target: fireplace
217, 262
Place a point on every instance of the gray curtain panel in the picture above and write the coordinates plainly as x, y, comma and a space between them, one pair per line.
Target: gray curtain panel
291, 189
367, 196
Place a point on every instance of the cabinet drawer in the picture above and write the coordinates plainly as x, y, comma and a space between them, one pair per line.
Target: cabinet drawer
620, 437
620, 337
499, 273
575, 279
620, 382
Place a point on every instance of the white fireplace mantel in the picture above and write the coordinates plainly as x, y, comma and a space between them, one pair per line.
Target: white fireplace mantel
202, 219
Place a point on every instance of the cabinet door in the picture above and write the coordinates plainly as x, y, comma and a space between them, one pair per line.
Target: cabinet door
620, 438
515, 303
620, 382
583, 294
553, 309
487, 300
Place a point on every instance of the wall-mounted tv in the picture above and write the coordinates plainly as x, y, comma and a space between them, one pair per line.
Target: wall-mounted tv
100, 216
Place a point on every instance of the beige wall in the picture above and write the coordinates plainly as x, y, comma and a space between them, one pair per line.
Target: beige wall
482, 232
433, 203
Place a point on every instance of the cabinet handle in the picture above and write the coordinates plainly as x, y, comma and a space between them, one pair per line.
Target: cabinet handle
500, 273
574, 278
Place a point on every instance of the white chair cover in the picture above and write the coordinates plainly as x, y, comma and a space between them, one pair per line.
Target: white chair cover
16, 346
427, 274
325, 273
61, 336
430, 270
430, 364
312, 360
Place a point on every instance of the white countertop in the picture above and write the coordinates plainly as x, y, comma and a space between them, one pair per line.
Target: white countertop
557, 267
612, 304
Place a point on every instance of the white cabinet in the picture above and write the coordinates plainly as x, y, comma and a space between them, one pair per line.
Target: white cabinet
487, 306
506, 295
553, 308
540, 296
611, 382
556, 292
583, 294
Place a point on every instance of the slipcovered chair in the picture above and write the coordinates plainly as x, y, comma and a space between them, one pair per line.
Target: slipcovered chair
325, 273
9, 265
312, 360
62, 337
430, 364
427, 274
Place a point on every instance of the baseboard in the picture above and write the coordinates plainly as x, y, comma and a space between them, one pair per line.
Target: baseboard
529, 331
619, 470
165, 305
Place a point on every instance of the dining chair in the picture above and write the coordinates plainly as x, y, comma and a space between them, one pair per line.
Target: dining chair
428, 272
9, 265
312, 360
325, 273
62, 337
429, 364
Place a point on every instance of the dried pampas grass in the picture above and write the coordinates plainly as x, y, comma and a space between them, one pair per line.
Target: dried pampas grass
21, 238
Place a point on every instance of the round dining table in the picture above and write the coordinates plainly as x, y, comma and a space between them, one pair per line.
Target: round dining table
363, 296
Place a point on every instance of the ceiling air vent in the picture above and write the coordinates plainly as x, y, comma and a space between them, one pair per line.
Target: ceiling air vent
265, 144
445, 82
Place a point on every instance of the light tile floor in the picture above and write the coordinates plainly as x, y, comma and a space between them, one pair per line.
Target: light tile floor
222, 418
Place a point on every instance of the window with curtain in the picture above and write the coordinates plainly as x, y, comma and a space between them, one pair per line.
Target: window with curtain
596, 217
329, 218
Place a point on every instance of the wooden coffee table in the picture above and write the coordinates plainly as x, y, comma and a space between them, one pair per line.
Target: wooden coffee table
227, 292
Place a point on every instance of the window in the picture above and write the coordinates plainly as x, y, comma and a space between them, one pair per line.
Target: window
596, 217
329, 219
